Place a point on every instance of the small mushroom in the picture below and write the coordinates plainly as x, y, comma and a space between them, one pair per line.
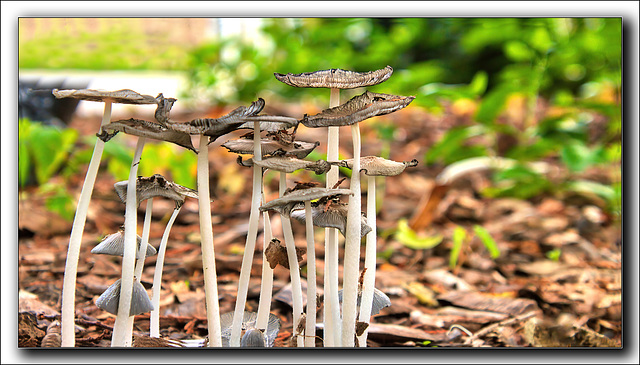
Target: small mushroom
110, 299
336, 78
288, 164
333, 215
113, 245
380, 300
156, 186
271, 147
143, 128
250, 338
125, 96
378, 166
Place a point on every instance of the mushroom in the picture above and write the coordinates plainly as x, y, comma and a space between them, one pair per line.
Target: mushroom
271, 147
253, 336
110, 299
284, 205
335, 79
380, 300
330, 214
143, 128
352, 112
289, 164
75, 240
113, 245
372, 166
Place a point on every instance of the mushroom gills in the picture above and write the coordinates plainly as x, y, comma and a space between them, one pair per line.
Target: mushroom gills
140, 302
250, 337
380, 300
334, 216
113, 245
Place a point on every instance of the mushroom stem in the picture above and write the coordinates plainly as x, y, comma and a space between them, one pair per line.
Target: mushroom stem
208, 253
294, 268
250, 245
67, 326
331, 315
370, 260
266, 284
352, 247
154, 329
119, 337
310, 329
141, 255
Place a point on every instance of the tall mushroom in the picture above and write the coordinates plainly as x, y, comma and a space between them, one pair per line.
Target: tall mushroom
75, 240
372, 166
335, 79
284, 205
352, 112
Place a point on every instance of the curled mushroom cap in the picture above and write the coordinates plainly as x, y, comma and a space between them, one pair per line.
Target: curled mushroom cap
336, 78
333, 215
249, 323
140, 302
380, 300
271, 147
288, 164
378, 166
143, 128
164, 106
156, 186
216, 127
287, 202
357, 109
124, 96
113, 245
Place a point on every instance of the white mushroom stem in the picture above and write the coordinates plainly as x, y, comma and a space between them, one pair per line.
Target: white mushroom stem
67, 326
154, 329
250, 245
141, 255
266, 284
352, 247
331, 330
119, 337
294, 268
208, 253
370, 260
310, 329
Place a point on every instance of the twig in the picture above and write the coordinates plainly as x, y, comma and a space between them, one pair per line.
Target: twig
505, 322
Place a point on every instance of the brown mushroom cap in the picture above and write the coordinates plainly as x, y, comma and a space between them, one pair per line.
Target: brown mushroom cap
333, 216
290, 164
156, 186
287, 202
143, 128
357, 109
124, 96
378, 166
336, 78
271, 147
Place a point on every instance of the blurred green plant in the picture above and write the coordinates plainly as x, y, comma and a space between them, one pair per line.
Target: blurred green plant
409, 238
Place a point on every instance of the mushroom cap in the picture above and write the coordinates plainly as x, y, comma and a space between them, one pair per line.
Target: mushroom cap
269, 123
269, 146
335, 216
155, 186
140, 302
380, 300
335, 78
143, 128
357, 109
378, 166
287, 202
290, 164
248, 323
113, 245
216, 127
124, 96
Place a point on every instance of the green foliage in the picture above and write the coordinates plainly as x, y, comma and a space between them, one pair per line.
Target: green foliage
554, 255
454, 145
459, 236
487, 241
519, 181
410, 238
58, 200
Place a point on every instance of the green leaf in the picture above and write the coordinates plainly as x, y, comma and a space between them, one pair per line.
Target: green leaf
493, 104
451, 144
409, 238
459, 234
24, 157
487, 241
518, 51
576, 156
479, 83
554, 255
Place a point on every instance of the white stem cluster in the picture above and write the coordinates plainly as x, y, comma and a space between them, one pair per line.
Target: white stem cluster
370, 260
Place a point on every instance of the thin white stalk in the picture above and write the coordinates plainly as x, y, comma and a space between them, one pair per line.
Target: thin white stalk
154, 318
119, 337
208, 253
369, 281
352, 247
294, 268
310, 329
250, 245
67, 326
141, 255
266, 284
331, 315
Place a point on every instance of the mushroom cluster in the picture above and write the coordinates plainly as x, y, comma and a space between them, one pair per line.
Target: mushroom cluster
272, 146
